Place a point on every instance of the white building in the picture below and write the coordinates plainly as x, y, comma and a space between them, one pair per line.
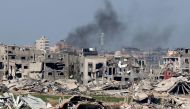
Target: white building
92, 68
43, 44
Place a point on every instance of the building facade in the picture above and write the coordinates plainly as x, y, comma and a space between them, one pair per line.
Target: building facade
42, 44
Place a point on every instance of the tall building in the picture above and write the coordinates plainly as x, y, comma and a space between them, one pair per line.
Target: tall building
43, 44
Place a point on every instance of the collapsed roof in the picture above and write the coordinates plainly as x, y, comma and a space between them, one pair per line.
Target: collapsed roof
179, 85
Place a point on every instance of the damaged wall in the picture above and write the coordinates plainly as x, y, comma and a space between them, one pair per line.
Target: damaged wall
88, 68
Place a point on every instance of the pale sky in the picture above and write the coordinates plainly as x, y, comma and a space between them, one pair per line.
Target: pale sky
24, 21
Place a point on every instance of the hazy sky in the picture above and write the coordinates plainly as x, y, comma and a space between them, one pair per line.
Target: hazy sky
24, 21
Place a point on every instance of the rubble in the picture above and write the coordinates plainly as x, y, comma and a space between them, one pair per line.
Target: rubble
42, 86
35, 103
9, 101
176, 103
119, 75
179, 85
3, 88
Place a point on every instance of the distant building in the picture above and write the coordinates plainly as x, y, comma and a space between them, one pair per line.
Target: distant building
178, 61
62, 45
16, 60
43, 44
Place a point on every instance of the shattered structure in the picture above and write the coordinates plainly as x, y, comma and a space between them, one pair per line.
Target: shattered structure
126, 68
69, 71
177, 61
28, 62
179, 85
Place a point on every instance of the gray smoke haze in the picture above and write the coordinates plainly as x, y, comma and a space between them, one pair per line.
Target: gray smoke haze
105, 21
142, 28
152, 38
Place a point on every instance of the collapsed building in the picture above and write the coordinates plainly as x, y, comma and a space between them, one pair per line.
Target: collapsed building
92, 66
123, 68
16, 60
174, 64
126, 68
27, 62
178, 61
177, 86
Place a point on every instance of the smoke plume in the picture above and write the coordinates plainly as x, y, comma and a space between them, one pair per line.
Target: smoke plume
106, 21
153, 37
121, 34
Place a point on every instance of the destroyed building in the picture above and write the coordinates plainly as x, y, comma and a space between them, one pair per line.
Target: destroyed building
126, 68
27, 62
176, 63
16, 59
54, 67
177, 86
92, 66
119, 67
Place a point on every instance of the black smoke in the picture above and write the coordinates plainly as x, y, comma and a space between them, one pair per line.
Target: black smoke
106, 21
122, 33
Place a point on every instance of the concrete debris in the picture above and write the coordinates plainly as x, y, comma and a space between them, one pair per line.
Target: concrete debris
82, 88
142, 85
105, 85
35, 103
9, 101
176, 103
123, 92
126, 106
139, 96
144, 93
42, 86
3, 88
137, 106
179, 85
140, 76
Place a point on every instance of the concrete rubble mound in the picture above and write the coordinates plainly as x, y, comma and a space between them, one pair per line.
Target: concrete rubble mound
174, 102
43, 86
179, 85
9, 101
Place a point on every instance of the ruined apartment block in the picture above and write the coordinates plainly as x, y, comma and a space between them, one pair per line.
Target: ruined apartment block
177, 62
28, 62
125, 68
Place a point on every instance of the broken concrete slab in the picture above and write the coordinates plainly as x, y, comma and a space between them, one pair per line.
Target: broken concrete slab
35, 103
179, 85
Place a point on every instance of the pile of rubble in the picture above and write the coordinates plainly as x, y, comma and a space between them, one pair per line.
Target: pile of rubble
9, 101
108, 87
144, 94
43, 86
179, 85
164, 95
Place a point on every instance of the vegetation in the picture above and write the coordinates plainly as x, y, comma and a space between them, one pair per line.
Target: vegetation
102, 98
105, 98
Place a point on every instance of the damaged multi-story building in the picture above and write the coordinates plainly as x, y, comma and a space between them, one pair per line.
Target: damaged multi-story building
175, 63
123, 68
16, 60
92, 66
28, 62
126, 68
